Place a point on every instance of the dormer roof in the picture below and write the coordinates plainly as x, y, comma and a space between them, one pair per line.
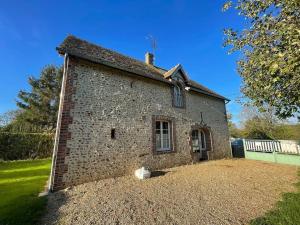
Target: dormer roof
177, 69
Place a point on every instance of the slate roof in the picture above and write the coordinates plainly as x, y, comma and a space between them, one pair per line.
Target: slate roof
97, 54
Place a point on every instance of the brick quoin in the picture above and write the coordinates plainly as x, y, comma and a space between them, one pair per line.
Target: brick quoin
64, 135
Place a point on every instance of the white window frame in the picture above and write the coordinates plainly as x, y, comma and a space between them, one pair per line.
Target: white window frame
161, 149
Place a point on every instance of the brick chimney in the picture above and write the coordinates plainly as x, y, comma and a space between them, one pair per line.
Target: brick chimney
149, 58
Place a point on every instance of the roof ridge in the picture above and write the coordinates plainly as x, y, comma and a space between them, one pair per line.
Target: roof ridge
115, 52
98, 54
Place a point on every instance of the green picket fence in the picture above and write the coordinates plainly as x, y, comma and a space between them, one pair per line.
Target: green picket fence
286, 152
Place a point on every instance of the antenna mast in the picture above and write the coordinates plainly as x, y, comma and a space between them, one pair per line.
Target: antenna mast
153, 43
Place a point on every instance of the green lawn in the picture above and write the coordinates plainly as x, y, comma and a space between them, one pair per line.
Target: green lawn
287, 211
20, 184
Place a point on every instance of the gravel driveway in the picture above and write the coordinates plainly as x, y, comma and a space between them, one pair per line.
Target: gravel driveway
214, 192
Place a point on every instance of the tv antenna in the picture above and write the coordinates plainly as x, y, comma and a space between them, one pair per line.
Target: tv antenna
153, 42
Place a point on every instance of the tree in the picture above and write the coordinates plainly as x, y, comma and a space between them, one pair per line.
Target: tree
288, 131
260, 124
233, 130
7, 117
265, 125
40, 106
21, 124
258, 128
270, 47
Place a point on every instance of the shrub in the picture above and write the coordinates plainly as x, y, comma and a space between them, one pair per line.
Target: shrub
14, 146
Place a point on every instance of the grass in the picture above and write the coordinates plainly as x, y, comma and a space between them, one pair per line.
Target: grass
287, 211
20, 184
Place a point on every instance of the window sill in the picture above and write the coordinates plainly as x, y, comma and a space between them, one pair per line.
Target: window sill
164, 152
207, 150
179, 107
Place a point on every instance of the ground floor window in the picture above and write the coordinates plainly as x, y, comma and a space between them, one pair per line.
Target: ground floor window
163, 140
163, 134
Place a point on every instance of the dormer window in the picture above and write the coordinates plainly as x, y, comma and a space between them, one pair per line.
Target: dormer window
179, 79
178, 98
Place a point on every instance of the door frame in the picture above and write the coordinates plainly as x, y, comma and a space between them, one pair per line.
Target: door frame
197, 156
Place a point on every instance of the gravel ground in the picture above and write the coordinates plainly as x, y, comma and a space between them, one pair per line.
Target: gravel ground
214, 192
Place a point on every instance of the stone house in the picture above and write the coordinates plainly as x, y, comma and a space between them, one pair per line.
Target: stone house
118, 114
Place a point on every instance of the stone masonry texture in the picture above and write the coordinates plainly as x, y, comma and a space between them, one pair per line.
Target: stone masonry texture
102, 99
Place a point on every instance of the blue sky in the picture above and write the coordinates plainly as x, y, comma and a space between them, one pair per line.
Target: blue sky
187, 32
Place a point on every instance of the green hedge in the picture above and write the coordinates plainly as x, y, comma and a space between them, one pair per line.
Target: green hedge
15, 146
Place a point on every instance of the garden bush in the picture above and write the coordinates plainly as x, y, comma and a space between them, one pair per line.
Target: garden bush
14, 146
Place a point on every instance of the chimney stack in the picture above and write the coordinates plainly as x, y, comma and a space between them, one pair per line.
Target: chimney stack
149, 58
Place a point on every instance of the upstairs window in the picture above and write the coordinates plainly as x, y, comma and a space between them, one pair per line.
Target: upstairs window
178, 100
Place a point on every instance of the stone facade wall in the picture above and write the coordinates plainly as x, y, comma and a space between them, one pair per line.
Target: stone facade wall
106, 99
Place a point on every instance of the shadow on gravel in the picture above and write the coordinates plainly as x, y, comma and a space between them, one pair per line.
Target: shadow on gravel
54, 202
158, 173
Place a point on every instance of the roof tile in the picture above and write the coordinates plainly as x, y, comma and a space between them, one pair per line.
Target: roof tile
95, 53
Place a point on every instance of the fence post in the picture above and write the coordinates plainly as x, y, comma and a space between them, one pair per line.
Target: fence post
280, 146
274, 150
274, 156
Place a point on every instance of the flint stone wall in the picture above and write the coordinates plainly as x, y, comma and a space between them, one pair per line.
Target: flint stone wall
105, 99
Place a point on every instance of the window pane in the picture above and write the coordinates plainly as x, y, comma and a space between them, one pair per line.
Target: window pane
175, 89
196, 148
165, 125
158, 141
158, 135
165, 131
158, 125
202, 140
178, 97
195, 140
195, 134
166, 141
